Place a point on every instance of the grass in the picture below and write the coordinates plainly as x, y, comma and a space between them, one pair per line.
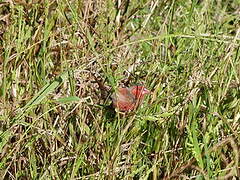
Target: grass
54, 123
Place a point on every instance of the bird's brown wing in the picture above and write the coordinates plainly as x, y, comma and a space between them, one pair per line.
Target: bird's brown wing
123, 100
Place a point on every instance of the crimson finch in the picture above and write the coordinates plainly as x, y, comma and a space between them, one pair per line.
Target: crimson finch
127, 99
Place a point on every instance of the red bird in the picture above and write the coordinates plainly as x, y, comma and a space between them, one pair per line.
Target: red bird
127, 99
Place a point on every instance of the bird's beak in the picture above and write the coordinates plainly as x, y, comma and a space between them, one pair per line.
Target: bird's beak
146, 91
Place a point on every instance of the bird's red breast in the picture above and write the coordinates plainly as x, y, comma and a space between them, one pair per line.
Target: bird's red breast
127, 99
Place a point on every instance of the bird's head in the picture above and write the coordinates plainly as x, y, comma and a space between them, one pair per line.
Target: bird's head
139, 91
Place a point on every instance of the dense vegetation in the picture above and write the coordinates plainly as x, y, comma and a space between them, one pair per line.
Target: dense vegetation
54, 119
